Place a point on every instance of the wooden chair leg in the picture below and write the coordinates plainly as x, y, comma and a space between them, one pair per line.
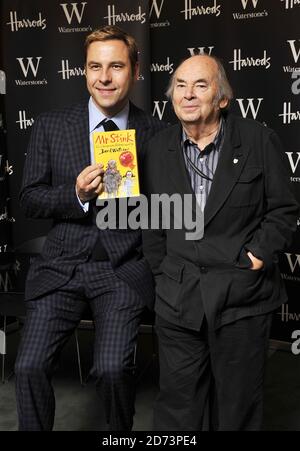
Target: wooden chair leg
3, 350
78, 357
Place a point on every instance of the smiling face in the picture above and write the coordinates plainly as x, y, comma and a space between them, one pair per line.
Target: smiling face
109, 75
195, 91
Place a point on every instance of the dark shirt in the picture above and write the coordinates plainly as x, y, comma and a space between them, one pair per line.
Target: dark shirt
202, 164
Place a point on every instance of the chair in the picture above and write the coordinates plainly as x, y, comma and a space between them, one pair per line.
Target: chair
11, 305
146, 327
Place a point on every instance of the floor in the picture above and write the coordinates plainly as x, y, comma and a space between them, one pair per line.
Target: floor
78, 408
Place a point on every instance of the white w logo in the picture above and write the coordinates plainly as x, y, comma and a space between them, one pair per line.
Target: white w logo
34, 68
291, 264
200, 51
156, 8
291, 160
158, 110
250, 106
73, 10
293, 49
245, 3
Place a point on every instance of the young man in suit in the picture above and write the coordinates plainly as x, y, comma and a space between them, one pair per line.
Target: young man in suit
215, 293
81, 264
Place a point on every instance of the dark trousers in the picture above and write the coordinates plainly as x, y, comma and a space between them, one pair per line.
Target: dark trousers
51, 320
230, 360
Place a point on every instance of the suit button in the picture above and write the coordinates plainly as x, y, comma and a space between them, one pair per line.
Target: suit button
203, 269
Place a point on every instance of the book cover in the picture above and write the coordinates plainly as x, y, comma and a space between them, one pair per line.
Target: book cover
116, 150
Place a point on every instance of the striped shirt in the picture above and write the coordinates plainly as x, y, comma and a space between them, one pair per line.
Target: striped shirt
202, 164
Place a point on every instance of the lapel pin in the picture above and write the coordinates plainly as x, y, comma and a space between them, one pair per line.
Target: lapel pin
235, 161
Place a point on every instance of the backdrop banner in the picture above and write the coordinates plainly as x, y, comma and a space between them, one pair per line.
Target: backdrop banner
43, 59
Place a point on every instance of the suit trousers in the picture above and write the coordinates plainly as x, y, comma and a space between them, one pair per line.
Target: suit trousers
228, 363
52, 319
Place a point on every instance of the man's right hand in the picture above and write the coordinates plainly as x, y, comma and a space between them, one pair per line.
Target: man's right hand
89, 183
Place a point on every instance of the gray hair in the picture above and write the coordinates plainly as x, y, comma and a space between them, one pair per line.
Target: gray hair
224, 88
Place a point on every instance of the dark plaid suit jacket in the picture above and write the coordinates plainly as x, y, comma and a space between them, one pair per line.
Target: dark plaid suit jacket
58, 151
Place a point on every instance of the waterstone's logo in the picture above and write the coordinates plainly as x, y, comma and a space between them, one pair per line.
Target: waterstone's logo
29, 66
155, 13
74, 13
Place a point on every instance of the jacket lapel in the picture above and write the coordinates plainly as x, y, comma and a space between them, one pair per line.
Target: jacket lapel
77, 138
176, 165
232, 160
137, 121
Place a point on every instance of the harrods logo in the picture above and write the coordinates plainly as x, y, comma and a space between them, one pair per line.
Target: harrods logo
289, 4
16, 23
200, 50
289, 116
30, 65
74, 12
240, 63
286, 315
114, 18
159, 109
24, 122
67, 72
155, 12
8, 168
191, 10
249, 4
163, 67
250, 106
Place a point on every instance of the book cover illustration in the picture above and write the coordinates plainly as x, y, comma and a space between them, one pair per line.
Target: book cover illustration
116, 150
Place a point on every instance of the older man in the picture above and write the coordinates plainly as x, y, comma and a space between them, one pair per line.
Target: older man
216, 293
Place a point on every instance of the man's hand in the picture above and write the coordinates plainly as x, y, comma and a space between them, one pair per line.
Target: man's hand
89, 183
256, 263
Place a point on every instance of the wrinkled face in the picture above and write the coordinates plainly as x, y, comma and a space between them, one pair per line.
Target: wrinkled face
109, 75
195, 91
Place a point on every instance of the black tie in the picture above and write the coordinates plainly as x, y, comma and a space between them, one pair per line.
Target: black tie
109, 125
99, 253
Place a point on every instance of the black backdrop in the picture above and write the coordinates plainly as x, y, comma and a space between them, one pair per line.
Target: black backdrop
42, 58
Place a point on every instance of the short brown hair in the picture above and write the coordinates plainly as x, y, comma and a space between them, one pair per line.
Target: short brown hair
110, 32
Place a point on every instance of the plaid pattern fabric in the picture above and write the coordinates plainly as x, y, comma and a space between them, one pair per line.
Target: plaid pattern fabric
50, 322
63, 277
58, 151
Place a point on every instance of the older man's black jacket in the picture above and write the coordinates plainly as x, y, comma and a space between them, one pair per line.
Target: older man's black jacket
250, 208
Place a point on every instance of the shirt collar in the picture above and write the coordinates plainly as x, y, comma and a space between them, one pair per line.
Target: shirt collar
216, 143
96, 116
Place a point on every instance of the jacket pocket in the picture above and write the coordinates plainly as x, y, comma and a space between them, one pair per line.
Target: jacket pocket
168, 283
249, 287
248, 189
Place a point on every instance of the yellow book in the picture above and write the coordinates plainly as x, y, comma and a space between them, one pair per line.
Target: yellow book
116, 150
